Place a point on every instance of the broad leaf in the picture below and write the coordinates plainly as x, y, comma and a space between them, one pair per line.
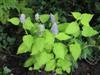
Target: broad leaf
44, 18
38, 46
77, 33
42, 59
49, 40
50, 66
64, 64
72, 28
75, 50
76, 15
86, 18
29, 62
28, 25
62, 26
58, 70
88, 31
62, 36
59, 50
14, 20
28, 41
22, 49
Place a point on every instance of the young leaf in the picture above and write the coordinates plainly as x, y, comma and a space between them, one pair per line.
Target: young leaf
75, 50
22, 49
50, 66
59, 50
28, 41
62, 36
44, 18
88, 31
72, 28
76, 15
86, 18
28, 25
29, 62
14, 20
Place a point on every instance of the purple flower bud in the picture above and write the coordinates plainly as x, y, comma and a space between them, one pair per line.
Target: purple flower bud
54, 28
52, 18
37, 16
22, 18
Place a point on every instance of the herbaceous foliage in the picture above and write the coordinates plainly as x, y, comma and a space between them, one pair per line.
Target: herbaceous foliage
53, 45
10, 7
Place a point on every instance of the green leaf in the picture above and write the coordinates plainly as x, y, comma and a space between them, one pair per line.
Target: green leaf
77, 33
28, 41
59, 50
22, 49
49, 40
75, 50
86, 53
28, 25
44, 18
72, 28
62, 26
50, 66
86, 18
62, 36
38, 46
88, 31
14, 20
76, 15
42, 59
58, 70
30, 68
64, 64
29, 62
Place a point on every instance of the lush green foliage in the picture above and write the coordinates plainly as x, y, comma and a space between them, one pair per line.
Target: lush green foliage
54, 45
9, 7
5, 6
